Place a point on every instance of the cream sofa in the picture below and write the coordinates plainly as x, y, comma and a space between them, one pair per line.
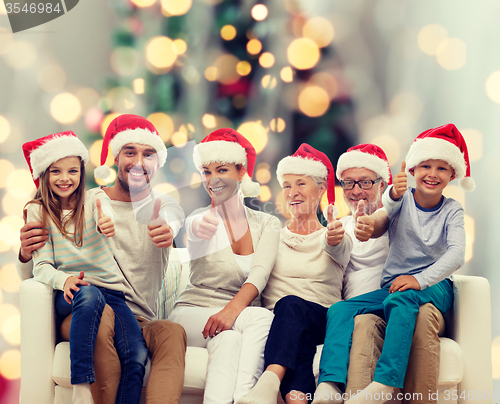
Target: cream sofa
45, 368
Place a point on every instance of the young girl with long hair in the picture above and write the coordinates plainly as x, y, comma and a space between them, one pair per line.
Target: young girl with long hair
79, 224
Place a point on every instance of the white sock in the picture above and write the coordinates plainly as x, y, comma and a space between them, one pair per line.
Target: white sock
265, 390
374, 393
81, 394
327, 393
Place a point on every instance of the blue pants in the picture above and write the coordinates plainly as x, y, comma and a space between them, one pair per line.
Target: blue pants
399, 310
87, 307
298, 326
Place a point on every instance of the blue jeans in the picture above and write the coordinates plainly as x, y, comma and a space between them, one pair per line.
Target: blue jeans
298, 327
399, 310
87, 307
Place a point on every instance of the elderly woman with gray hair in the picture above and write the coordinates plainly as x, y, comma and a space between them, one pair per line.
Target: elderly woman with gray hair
306, 279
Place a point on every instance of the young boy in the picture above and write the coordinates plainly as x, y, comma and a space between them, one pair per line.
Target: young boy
427, 244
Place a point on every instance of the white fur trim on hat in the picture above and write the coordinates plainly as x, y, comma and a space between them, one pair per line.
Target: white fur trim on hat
249, 188
300, 166
219, 151
436, 149
355, 159
55, 149
139, 136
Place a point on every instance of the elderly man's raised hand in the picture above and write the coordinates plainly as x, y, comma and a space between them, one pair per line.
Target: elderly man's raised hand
334, 228
400, 183
159, 230
365, 224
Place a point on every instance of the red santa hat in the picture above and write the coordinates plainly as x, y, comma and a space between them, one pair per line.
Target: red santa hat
126, 129
368, 156
311, 162
226, 145
41, 153
443, 143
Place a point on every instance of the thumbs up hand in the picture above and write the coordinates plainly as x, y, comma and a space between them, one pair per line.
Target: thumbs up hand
334, 228
207, 227
159, 230
104, 223
365, 225
400, 183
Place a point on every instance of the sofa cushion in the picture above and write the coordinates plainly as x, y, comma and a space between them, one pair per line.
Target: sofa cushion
451, 364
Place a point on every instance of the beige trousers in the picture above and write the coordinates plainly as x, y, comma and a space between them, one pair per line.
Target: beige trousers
423, 365
166, 342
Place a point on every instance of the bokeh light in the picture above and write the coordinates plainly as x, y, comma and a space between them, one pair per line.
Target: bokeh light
269, 81
168, 189
65, 108
339, 202
455, 192
259, 12
163, 123
6, 168
10, 364
209, 121
286, 74
95, 154
180, 46
265, 193
263, 176
122, 98
11, 330
390, 146
88, 97
143, 3
407, 105
281, 206
430, 37
228, 32
93, 119
20, 183
327, 82
277, 125
313, 101
175, 7
243, 68
474, 140
9, 234
139, 86
124, 60
226, 69
179, 139
451, 54
320, 30
255, 133
22, 55
211, 73
9, 279
51, 78
4, 129
303, 53
267, 60
254, 46
161, 54
12, 204
493, 86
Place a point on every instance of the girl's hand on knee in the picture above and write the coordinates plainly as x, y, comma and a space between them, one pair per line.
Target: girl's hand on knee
221, 321
404, 282
71, 285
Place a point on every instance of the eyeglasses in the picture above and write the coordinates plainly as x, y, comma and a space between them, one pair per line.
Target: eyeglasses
363, 184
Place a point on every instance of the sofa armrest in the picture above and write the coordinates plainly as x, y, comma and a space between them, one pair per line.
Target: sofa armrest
38, 338
470, 327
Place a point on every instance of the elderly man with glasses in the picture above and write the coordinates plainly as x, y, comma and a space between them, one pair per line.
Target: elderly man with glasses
364, 172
